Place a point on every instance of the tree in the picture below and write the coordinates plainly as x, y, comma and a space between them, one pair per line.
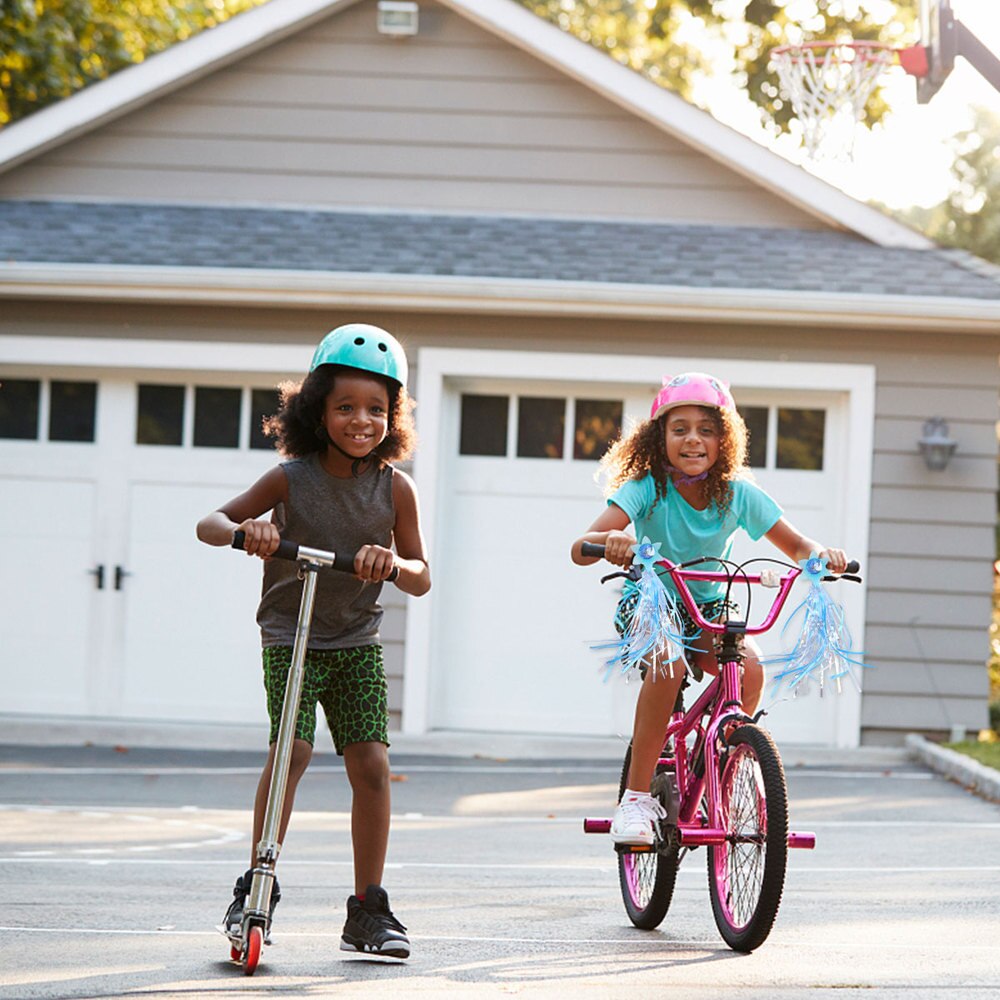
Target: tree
660, 38
970, 216
51, 48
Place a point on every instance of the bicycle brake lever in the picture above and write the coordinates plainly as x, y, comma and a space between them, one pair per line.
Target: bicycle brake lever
632, 573
843, 576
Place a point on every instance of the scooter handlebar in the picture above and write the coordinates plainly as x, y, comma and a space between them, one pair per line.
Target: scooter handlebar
287, 549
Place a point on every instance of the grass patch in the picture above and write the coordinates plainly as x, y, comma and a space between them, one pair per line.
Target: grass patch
985, 753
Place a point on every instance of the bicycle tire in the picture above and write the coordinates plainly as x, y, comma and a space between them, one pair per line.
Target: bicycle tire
746, 875
647, 878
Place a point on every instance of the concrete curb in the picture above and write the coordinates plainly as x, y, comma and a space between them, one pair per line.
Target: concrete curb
979, 778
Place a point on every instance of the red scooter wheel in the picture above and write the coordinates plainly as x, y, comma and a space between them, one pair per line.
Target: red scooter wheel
255, 938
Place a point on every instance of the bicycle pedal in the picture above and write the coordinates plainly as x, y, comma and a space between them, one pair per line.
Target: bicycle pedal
635, 848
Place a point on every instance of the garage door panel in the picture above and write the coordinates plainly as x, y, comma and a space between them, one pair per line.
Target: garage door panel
530, 668
46, 594
192, 647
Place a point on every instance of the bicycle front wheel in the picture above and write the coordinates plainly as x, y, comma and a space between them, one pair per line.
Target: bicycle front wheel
646, 877
746, 874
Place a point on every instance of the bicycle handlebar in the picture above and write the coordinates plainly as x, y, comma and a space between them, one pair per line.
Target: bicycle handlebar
597, 551
293, 552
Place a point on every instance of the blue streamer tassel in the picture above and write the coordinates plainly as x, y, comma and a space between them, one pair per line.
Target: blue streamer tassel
822, 650
653, 635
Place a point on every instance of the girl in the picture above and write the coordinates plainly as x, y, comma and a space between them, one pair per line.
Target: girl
340, 428
681, 478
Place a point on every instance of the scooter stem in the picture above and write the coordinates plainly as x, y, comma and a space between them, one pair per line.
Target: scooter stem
267, 849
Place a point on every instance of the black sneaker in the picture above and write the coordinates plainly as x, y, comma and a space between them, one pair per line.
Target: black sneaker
233, 921
371, 927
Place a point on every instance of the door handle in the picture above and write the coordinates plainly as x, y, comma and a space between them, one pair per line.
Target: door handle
120, 574
98, 573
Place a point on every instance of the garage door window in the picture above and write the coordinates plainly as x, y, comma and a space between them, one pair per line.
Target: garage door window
797, 435
216, 417
70, 409
19, 408
598, 422
483, 425
221, 416
539, 426
263, 404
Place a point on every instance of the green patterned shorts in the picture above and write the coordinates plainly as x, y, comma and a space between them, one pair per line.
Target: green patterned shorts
348, 683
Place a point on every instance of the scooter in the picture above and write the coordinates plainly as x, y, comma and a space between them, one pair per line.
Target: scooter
246, 946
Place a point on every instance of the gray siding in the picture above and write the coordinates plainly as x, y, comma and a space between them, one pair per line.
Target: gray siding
453, 119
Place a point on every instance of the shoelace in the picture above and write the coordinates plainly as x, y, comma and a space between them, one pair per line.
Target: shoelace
644, 810
379, 918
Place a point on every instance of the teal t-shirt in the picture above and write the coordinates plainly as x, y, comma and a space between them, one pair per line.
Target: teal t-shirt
687, 533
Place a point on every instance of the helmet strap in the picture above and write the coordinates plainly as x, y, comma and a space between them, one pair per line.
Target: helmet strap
682, 480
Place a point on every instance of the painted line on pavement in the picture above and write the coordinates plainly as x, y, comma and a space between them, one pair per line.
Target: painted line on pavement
797, 868
616, 942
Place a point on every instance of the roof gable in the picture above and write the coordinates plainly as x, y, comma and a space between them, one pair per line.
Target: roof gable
250, 32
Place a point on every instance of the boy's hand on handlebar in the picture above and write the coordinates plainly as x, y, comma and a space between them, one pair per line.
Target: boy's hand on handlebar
374, 563
618, 548
262, 537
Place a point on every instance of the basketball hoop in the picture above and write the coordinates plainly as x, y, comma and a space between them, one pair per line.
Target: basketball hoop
829, 84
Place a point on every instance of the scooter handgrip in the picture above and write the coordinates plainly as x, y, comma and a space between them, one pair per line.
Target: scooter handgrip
286, 549
591, 549
345, 563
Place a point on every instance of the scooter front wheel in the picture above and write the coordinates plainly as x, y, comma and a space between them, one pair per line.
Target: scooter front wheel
255, 939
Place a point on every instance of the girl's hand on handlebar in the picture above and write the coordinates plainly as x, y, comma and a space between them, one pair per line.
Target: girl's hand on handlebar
618, 548
262, 537
836, 560
374, 563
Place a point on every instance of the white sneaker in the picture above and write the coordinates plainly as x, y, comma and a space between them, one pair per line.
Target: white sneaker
635, 818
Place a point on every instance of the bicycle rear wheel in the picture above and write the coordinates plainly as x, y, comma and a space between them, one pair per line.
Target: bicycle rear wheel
746, 875
646, 877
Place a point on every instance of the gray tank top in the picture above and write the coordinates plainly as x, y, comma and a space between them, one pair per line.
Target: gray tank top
339, 515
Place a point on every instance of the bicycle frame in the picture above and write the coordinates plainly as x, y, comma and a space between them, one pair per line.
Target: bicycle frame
722, 702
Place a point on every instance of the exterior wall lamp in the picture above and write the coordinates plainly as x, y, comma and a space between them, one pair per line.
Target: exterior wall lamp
935, 445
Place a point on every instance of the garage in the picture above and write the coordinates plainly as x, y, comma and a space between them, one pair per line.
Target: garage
508, 462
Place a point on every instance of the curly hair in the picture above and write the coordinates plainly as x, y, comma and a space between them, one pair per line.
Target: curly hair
644, 450
297, 426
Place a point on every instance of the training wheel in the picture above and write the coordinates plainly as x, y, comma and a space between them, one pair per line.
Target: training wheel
255, 938
234, 953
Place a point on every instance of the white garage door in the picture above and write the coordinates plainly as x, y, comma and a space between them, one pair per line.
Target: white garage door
513, 617
108, 604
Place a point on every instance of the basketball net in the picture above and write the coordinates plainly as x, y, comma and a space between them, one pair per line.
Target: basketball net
829, 84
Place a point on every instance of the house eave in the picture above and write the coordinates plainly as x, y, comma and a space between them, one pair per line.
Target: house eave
256, 288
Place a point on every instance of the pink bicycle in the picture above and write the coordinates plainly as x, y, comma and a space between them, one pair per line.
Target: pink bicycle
719, 779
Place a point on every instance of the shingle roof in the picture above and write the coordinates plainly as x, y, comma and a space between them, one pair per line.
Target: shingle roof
483, 246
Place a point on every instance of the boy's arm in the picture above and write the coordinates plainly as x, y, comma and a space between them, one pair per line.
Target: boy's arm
241, 512
608, 530
796, 546
411, 552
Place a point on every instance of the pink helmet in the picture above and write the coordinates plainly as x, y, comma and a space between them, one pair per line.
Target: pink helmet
691, 389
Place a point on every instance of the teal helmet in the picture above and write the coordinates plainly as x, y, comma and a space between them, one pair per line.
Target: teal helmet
365, 347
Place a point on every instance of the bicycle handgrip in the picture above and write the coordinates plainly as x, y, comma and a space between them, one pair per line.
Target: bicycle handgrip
286, 549
591, 549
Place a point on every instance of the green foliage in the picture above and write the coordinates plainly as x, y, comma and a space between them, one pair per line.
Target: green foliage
970, 216
51, 48
663, 38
